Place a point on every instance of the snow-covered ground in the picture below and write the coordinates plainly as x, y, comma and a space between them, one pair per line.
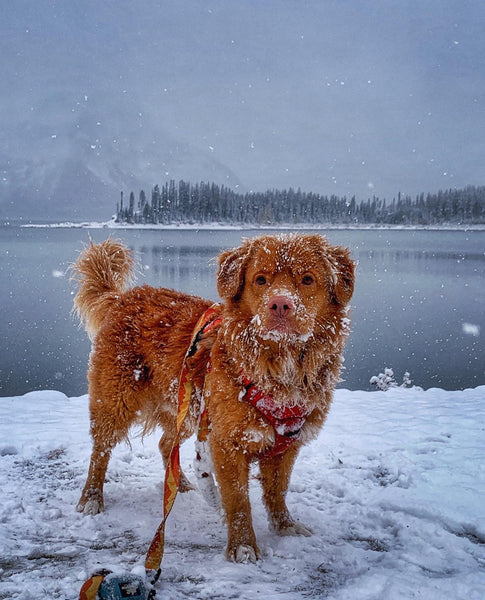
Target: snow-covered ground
393, 489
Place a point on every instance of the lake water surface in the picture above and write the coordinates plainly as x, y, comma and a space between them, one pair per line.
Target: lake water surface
419, 302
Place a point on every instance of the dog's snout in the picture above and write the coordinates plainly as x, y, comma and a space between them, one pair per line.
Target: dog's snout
280, 305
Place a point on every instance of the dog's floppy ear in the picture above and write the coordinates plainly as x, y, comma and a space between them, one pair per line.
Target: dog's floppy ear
344, 270
230, 276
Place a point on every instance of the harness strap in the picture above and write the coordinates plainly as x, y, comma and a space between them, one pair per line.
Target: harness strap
207, 322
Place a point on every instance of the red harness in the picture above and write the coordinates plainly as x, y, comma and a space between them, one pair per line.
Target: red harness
287, 421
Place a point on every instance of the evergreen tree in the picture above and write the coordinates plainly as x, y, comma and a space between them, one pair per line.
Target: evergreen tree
211, 203
131, 209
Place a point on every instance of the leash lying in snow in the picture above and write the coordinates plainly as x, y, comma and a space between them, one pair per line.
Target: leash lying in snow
286, 421
104, 585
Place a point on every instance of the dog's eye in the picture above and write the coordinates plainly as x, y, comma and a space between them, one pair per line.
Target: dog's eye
307, 280
260, 280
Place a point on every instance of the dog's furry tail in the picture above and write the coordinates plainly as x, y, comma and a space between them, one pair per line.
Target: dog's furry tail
102, 272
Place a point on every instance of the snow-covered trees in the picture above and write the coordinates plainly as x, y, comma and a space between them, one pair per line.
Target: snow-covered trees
211, 203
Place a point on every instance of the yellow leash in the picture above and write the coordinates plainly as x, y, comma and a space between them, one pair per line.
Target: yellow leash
210, 319
89, 590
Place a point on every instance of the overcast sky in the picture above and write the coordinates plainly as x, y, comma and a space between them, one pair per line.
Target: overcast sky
347, 97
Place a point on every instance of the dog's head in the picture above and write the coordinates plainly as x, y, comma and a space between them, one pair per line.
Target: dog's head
285, 285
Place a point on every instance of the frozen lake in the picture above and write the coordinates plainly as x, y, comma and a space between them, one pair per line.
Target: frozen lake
419, 302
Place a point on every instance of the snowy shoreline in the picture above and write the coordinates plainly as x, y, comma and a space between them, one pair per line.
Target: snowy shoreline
247, 227
393, 489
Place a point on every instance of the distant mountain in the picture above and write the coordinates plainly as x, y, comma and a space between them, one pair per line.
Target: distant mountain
67, 162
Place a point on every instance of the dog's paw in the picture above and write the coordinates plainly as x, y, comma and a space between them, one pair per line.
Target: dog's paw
243, 554
92, 506
296, 528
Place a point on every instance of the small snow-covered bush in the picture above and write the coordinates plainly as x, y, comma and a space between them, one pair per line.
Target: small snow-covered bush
386, 380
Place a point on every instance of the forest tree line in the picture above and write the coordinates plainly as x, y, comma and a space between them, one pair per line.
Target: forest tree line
186, 203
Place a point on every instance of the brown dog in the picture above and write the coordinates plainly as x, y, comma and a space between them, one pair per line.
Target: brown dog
275, 360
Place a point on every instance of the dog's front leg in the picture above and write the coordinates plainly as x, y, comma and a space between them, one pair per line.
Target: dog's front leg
275, 477
232, 471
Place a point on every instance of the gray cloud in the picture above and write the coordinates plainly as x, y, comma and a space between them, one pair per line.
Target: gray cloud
344, 97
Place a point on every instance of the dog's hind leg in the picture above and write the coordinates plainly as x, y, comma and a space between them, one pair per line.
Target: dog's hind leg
110, 423
91, 501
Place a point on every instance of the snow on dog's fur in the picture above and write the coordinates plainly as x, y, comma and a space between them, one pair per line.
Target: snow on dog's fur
284, 324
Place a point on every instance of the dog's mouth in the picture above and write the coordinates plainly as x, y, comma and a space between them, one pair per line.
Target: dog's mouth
285, 335
280, 329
